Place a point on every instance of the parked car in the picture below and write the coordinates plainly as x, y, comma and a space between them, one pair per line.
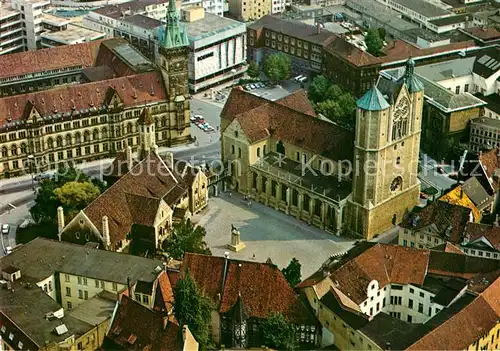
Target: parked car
248, 87
252, 86
198, 117
260, 85
5, 229
40, 177
192, 119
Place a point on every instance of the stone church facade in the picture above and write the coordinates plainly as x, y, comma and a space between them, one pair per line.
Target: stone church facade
363, 181
95, 116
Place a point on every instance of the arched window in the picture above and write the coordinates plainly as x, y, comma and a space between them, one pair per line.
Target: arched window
5, 152
95, 134
400, 119
239, 152
86, 136
69, 140
398, 160
129, 128
280, 148
59, 141
164, 122
104, 133
258, 152
78, 138
397, 184
50, 143
24, 148
13, 150
264, 149
232, 149
304, 158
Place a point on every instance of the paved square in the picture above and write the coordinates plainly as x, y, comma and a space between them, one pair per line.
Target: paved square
267, 233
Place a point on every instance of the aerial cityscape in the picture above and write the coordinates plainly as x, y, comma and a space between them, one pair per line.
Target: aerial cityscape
249, 175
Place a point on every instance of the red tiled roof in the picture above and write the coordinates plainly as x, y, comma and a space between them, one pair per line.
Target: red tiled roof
448, 247
460, 266
132, 91
262, 287
135, 327
490, 232
340, 47
76, 55
298, 101
484, 33
260, 120
165, 289
366, 262
134, 195
443, 215
470, 324
490, 160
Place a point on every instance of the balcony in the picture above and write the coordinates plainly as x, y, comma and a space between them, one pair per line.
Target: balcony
4, 41
10, 30
11, 22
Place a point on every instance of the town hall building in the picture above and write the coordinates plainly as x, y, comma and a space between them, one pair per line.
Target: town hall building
361, 181
80, 103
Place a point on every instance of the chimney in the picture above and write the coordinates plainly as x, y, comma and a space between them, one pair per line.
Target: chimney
129, 287
105, 232
496, 221
226, 262
60, 219
130, 159
318, 28
170, 159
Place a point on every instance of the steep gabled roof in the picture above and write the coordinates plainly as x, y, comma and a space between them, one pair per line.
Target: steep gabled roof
458, 197
135, 197
262, 287
298, 101
474, 231
261, 119
373, 100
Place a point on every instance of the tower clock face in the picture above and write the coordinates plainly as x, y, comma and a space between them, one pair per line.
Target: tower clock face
402, 109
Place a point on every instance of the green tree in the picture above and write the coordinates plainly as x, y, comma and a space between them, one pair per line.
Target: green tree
292, 272
278, 67
277, 333
75, 196
193, 309
382, 33
186, 237
373, 42
46, 201
253, 70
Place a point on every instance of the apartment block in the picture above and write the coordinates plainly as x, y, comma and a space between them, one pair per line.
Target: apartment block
250, 10
11, 29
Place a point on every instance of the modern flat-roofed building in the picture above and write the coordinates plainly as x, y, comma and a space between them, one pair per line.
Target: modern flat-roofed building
419, 11
32, 13
217, 48
72, 34
11, 29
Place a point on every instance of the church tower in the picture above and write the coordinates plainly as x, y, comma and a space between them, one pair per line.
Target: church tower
147, 138
172, 59
386, 149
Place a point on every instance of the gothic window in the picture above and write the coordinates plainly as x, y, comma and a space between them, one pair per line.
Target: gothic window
180, 116
13, 150
86, 136
396, 184
78, 138
4, 152
24, 148
129, 128
280, 148
50, 143
95, 134
59, 141
400, 119
104, 133
240, 334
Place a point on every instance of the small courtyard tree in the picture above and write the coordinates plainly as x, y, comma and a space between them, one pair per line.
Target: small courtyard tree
253, 70
278, 67
186, 237
277, 333
373, 42
292, 272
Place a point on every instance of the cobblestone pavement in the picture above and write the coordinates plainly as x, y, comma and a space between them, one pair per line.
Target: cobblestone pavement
267, 233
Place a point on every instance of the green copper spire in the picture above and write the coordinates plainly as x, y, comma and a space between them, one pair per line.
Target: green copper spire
175, 33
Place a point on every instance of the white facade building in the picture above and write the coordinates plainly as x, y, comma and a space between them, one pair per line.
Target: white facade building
215, 7
11, 29
31, 12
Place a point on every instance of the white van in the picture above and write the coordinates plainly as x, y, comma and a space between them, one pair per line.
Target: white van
302, 80
298, 78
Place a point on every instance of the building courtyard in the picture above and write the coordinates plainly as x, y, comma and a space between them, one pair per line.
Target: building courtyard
267, 233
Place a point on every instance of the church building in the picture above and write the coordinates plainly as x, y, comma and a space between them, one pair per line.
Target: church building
363, 181
82, 102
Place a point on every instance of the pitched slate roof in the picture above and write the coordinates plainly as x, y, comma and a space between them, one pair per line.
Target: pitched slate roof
135, 197
373, 100
449, 219
135, 327
262, 287
261, 118
66, 56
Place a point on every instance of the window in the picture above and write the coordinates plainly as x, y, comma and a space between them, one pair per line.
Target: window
96, 283
405, 242
79, 280
3, 328
11, 336
409, 319
138, 297
145, 299
239, 152
457, 89
232, 149
115, 286
80, 294
66, 278
397, 287
410, 303
50, 285
466, 88
258, 152
70, 305
86, 294
68, 291
421, 294
20, 345
420, 307
430, 311
84, 281
102, 285
412, 290
383, 303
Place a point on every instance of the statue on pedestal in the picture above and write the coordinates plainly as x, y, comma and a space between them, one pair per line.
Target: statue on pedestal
236, 243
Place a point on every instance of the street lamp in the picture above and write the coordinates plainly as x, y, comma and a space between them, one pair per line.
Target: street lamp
31, 159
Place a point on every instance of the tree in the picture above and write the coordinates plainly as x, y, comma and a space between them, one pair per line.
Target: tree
292, 272
277, 333
381, 32
253, 70
186, 237
193, 309
373, 42
277, 67
46, 201
75, 196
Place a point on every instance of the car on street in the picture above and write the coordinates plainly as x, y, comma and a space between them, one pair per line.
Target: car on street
260, 85
248, 87
5, 229
253, 86
41, 177
192, 119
